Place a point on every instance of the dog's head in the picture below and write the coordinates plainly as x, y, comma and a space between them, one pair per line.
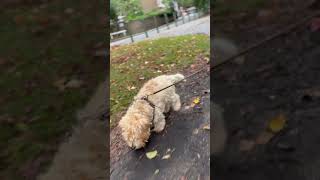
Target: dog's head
135, 130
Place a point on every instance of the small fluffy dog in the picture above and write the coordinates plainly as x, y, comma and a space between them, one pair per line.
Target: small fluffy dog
137, 123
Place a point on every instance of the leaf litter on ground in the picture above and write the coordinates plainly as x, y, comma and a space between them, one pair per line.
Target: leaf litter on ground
195, 101
277, 124
206, 127
167, 156
152, 154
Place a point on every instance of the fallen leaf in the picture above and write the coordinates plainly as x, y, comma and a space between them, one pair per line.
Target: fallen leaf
74, 83
131, 88
264, 137
246, 145
196, 100
69, 11
278, 123
156, 171
314, 92
166, 156
3, 61
60, 84
206, 127
151, 154
195, 131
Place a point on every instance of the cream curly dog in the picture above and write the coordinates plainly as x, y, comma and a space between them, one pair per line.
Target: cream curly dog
136, 124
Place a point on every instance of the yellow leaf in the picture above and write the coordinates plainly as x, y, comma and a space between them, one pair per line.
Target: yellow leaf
196, 100
206, 127
151, 154
277, 123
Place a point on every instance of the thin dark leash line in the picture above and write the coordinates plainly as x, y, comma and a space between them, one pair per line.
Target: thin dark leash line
245, 51
187, 77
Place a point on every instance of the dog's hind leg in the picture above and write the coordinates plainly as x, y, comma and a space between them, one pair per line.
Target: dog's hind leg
176, 104
159, 121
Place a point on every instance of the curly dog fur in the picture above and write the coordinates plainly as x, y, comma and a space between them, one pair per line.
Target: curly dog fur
137, 122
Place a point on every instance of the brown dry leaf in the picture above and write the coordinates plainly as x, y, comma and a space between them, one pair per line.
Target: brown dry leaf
246, 145
314, 92
74, 83
264, 137
60, 84
3, 61
277, 124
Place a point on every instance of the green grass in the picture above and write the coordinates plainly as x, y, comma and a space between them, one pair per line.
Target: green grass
35, 115
221, 8
148, 59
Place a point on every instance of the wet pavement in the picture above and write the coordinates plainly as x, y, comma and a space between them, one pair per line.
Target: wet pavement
184, 135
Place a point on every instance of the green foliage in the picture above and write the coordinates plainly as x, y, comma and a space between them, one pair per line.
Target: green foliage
186, 3
129, 8
113, 11
202, 4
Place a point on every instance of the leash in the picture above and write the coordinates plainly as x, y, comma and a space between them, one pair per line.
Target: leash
245, 51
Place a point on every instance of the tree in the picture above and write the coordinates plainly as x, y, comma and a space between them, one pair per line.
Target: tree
202, 4
186, 3
128, 7
113, 12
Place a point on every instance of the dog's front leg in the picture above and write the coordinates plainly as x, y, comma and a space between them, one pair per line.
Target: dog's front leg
176, 103
159, 121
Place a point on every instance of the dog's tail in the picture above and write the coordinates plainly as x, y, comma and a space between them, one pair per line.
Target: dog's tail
175, 78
